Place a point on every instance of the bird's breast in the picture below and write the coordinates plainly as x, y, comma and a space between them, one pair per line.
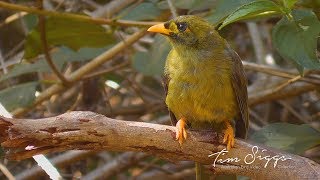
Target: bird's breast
200, 92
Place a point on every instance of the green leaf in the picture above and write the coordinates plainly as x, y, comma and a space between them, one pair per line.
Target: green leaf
31, 20
296, 39
289, 137
71, 33
152, 63
21, 95
224, 8
144, 11
60, 56
290, 3
251, 10
32, 47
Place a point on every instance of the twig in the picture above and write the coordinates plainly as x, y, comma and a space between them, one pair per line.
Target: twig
111, 8
257, 42
61, 160
278, 72
76, 103
154, 166
6, 172
3, 67
106, 71
118, 164
87, 130
91, 3
75, 16
82, 71
176, 167
257, 117
14, 50
293, 112
145, 167
43, 37
182, 174
12, 18
287, 83
257, 97
172, 9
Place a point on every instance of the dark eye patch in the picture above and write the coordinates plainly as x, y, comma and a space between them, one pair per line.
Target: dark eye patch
166, 25
182, 26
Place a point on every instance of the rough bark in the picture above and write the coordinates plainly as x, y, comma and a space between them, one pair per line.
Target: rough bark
23, 138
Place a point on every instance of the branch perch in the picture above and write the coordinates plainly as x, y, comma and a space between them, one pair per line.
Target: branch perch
24, 138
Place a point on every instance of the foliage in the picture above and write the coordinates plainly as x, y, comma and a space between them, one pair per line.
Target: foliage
152, 63
71, 33
292, 25
21, 95
295, 35
297, 40
284, 136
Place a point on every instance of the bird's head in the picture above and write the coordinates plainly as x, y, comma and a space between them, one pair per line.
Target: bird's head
190, 31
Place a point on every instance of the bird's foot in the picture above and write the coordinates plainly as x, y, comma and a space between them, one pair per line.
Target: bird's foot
228, 138
181, 133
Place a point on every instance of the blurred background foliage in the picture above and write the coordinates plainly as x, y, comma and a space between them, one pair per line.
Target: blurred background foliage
277, 40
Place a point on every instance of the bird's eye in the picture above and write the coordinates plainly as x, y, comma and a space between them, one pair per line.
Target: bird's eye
182, 26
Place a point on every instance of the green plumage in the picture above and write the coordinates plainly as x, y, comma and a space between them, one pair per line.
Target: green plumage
204, 79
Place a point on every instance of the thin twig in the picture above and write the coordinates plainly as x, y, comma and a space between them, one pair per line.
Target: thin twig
105, 71
287, 83
82, 71
61, 160
43, 37
293, 112
12, 18
117, 165
111, 8
75, 16
257, 97
76, 103
172, 9
279, 72
6, 172
3, 67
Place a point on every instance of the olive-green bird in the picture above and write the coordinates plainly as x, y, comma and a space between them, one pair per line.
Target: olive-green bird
204, 79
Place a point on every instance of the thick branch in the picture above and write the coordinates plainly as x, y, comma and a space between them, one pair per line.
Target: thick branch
87, 130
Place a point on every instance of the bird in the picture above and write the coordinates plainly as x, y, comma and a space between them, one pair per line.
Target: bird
204, 80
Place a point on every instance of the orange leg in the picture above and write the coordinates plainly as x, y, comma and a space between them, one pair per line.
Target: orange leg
181, 133
228, 138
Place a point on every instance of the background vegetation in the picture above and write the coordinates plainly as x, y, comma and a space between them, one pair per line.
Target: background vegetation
63, 55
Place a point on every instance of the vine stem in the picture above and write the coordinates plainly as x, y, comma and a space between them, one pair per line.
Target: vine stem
43, 37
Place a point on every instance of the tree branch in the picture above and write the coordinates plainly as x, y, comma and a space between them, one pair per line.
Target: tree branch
75, 76
86, 130
78, 17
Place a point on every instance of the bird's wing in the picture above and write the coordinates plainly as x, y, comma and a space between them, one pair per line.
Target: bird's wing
239, 84
166, 80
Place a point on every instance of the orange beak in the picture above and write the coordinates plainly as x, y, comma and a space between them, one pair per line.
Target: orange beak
159, 28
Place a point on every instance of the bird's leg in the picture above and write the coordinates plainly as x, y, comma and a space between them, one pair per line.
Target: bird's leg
228, 138
181, 133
